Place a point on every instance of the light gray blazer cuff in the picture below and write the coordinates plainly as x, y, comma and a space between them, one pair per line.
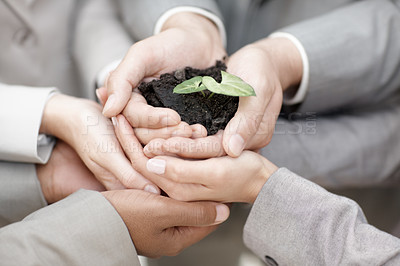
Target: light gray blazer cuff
20, 192
296, 222
353, 55
83, 229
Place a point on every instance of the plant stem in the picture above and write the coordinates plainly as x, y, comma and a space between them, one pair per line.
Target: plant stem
211, 95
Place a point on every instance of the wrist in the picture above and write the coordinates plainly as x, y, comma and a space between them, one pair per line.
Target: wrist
268, 169
44, 172
52, 118
203, 29
286, 58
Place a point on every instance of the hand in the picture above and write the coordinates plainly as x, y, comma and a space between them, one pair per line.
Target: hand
64, 174
80, 123
223, 179
162, 226
144, 118
187, 39
269, 66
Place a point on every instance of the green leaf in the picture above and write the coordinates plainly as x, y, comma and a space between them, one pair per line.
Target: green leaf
189, 86
230, 85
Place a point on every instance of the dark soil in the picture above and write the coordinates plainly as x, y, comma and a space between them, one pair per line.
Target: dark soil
214, 113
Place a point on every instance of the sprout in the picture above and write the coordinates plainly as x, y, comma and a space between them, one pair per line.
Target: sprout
230, 85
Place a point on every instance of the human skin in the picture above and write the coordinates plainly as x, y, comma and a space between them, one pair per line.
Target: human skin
64, 174
158, 225
161, 226
270, 65
192, 180
80, 124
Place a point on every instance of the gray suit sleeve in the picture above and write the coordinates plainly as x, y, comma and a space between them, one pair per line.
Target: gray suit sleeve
341, 150
296, 222
353, 53
83, 229
141, 16
20, 192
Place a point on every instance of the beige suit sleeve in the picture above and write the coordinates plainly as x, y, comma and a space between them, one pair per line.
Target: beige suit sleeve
20, 192
296, 222
21, 110
83, 229
100, 39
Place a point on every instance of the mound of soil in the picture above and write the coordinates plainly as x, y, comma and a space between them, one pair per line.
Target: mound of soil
213, 113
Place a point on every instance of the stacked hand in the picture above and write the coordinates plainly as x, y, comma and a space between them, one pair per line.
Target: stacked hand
270, 66
64, 174
162, 226
81, 125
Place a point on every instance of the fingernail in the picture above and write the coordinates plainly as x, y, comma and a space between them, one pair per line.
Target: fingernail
156, 166
222, 213
109, 103
114, 121
98, 96
151, 189
236, 144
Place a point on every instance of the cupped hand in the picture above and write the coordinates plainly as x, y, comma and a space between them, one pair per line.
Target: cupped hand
162, 226
187, 39
223, 179
270, 66
147, 123
79, 123
64, 174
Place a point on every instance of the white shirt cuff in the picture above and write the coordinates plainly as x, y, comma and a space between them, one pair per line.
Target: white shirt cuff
22, 110
217, 21
303, 88
105, 71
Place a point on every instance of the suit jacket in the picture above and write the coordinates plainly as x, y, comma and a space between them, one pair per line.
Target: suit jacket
83, 229
346, 130
352, 46
295, 222
87, 34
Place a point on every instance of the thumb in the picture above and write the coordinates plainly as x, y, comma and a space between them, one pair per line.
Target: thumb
122, 80
119, 91
101, 94
243, 126
198, 214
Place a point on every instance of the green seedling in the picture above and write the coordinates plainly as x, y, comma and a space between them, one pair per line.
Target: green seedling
230, 85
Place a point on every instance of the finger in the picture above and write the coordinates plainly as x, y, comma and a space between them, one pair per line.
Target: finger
145, 135
134, 151
110, 182
196, 213
201, 148
141, 115
177, 170
267, 126
198, 131
243, 126
126, 76
121, 168
101, 94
